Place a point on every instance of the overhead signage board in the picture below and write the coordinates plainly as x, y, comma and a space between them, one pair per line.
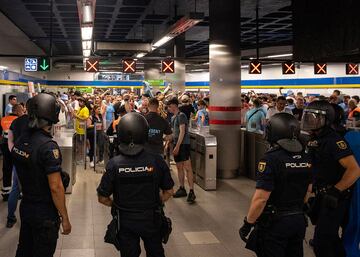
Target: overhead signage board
44, 64
168, 66
92, 65
255, 67
31, 64
352, 69
288, 68
129, 66
320, 68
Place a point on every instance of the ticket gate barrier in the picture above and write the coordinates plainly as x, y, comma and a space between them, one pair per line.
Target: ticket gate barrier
204, 147
66, 139
253, 149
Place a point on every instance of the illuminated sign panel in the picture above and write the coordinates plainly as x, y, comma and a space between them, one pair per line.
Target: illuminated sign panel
129, 66
255, 67
288, 68
92, 65
168, 66
320, 68
44, 64
352, 69
31, 64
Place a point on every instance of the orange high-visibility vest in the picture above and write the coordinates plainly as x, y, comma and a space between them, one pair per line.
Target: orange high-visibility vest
6, 123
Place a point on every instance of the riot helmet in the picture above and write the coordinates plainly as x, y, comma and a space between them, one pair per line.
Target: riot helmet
317, 115
283, 129
43, 110
133, 130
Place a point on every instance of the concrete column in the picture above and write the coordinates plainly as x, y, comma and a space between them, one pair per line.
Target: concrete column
176, 49
225, 76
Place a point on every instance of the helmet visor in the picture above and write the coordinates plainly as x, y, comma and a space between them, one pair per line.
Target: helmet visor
313, 120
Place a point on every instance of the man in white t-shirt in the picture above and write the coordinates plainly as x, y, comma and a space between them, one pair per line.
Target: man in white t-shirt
280, 106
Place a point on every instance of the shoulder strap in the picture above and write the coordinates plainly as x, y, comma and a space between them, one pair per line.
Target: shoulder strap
253, 114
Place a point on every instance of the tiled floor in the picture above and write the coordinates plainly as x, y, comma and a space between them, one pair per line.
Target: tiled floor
208, 228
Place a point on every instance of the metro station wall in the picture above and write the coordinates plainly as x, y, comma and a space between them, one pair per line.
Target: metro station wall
306, 71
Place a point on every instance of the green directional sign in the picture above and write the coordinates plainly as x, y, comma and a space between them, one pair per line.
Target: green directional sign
44, 64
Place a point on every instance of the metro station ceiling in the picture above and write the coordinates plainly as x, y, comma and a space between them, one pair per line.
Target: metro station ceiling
142, 21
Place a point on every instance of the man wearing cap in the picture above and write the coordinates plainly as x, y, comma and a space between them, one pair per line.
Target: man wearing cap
186, 107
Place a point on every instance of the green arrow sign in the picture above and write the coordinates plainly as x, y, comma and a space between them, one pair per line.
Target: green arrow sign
44, 64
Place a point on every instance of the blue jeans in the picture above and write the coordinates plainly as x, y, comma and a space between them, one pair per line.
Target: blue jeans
13, 197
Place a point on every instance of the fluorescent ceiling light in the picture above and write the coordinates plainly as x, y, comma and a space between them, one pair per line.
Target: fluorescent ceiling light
141, 55
87, 14
86, 45
86, 53
162, 41
3, 67
86, 33
181, 26
279, 56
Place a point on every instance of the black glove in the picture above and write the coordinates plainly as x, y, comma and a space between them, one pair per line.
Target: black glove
331, 197
244, 231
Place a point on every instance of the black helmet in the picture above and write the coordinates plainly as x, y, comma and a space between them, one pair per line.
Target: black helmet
284, 129
133, 130
43, 110
317, 115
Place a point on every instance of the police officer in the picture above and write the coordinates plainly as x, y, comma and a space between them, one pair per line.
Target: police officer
283, 180
38, 164
336, 170
135, 178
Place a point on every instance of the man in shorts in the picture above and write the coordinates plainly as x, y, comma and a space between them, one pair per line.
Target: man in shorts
180, 125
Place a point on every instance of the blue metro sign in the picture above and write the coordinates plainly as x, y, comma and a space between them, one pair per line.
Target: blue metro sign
31, 64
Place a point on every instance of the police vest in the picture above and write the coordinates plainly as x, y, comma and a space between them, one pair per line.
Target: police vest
292, 179
136, 183
34, 182
6, 123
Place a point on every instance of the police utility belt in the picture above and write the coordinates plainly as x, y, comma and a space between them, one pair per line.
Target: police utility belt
113, 229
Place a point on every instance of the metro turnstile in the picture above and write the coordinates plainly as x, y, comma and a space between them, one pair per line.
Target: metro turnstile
254, 147
66, 143
204, 158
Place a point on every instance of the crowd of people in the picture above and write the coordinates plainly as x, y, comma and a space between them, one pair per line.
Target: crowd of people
257, 109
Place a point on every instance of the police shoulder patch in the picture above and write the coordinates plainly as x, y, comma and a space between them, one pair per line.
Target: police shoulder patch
56, 153
342, 145
261, 166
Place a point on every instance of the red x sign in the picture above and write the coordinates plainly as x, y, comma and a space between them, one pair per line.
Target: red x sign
288, 68
352, 69
320, 68
129, 66
255, 67
168, 66
92, 65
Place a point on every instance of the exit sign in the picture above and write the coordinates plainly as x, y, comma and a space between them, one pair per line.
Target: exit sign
43, 64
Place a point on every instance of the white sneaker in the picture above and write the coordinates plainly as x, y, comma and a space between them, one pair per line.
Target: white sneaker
91, 164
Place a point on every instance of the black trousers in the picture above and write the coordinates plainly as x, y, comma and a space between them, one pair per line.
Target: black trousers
99, 145
327, 242
38, 234
284, 238
7, 167
147, 228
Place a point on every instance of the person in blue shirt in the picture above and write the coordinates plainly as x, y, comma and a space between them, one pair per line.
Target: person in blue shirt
109, 111
255, 116
9, 106
202, 116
